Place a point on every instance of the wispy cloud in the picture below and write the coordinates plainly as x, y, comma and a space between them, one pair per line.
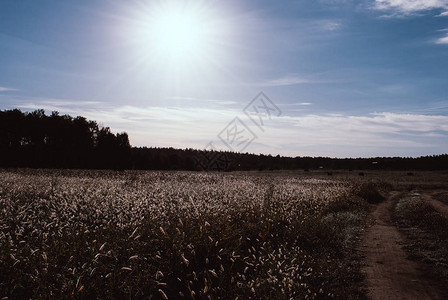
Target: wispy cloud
149, 126
377, 134
385, 122
61, 105
5, 89
285, 80
194, 99
442, 40
334, 135
296, 104
183, 98
436, 108
410, 6
443, 14
330, 25
340, 135
294, 79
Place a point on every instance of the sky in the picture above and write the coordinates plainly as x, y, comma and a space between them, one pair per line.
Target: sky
339, 78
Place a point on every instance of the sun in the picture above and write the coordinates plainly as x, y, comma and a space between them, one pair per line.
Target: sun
178, 43
179, 33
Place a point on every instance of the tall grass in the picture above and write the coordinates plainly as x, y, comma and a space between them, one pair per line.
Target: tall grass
177, 234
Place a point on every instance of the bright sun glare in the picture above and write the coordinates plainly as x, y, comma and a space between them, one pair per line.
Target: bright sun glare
180, 42
180, 33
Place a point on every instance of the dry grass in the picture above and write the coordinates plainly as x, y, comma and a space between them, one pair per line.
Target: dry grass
427, 233
84, 234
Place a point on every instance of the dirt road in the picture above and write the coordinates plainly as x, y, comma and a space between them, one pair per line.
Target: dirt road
389, 274
438, 205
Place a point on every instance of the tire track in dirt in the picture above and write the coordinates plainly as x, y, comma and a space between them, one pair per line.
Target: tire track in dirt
438, 205
389, 274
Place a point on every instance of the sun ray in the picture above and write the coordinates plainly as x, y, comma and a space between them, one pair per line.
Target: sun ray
178, 45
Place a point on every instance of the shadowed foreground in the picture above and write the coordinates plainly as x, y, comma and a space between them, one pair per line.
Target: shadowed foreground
390, 275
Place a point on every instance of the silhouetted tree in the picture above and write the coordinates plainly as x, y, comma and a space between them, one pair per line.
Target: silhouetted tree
37, 140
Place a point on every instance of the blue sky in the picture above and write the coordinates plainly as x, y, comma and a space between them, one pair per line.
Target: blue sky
351, 78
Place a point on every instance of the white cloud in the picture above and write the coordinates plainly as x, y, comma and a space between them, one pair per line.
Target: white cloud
183, 98
215, 101
149, 126
442, 40
410, 6
385, 122
58, 102
60, 105
376, 134
443, 14
285, 80
302, 103
379, 134
293, 79
331, 25
297, 104
5, 89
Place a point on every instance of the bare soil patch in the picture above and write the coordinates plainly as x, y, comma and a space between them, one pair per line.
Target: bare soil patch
389, 274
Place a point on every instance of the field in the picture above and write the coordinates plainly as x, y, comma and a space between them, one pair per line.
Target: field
170, 235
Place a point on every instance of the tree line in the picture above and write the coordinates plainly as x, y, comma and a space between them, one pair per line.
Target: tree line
41, 141
192, 159
38, 140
